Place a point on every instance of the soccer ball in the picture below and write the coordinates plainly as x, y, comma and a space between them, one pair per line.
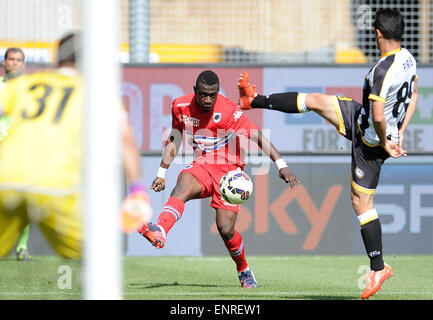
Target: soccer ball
236, 187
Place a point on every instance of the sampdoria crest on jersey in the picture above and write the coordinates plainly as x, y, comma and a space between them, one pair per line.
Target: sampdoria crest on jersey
217, 117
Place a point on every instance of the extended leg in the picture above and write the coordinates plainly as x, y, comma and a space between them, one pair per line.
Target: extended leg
371, 232
187, 188
288, 102
225, 221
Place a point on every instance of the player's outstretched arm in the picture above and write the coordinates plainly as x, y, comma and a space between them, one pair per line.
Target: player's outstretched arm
169, 153
269, 149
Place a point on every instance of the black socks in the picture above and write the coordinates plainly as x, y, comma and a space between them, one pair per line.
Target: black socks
372, 236
285, 102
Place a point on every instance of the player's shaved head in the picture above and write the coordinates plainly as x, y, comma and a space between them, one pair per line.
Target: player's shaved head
206, 90
207, 77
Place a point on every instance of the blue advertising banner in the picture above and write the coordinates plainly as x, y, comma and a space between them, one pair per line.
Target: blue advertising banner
310, 133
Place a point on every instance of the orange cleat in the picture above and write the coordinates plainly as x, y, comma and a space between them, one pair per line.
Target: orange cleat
375, 280
247, 92
154, 234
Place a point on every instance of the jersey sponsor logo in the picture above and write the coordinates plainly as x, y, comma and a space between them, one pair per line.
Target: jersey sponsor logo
183, 104
190, 121
217, 117
208, 143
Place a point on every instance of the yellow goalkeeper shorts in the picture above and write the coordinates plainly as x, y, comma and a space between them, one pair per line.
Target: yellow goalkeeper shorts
58, 217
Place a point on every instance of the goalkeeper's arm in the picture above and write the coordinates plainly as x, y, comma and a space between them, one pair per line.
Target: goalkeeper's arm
169, 153
131, 159
136, 209
130, 154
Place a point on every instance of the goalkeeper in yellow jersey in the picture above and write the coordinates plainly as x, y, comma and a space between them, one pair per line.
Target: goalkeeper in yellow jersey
41, 159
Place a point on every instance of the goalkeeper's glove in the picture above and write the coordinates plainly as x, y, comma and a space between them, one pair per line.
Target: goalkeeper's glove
136, 209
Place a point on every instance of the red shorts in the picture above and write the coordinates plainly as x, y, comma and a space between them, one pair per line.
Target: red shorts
209, 176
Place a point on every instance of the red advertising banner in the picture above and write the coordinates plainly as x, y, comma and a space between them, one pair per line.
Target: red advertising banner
149, 92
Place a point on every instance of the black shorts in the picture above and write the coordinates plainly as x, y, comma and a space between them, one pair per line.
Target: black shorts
366, 160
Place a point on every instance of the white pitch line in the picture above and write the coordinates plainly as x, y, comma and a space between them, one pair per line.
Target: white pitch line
223, 293
38, 293
268, 293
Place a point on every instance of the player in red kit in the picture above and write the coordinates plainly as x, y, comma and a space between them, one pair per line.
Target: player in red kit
212, 124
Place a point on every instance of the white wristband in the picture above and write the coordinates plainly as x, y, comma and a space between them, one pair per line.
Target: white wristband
161, 172
281, 163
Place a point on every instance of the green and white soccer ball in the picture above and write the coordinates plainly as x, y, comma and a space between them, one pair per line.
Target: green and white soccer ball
236, 187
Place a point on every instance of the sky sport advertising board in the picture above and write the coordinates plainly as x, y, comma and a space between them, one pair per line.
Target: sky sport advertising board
317, 216
314, 218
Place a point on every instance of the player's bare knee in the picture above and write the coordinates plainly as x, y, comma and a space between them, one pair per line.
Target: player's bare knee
181, 192
318, 102
226, 230
186, 188
314, 101
356, 204
361, 202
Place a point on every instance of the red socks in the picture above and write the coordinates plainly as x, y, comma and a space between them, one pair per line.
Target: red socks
171, 212
236, 250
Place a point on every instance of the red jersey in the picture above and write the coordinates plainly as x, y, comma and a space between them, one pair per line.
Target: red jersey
214, 135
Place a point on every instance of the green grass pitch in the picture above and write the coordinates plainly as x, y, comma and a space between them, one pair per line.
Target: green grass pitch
215, 278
